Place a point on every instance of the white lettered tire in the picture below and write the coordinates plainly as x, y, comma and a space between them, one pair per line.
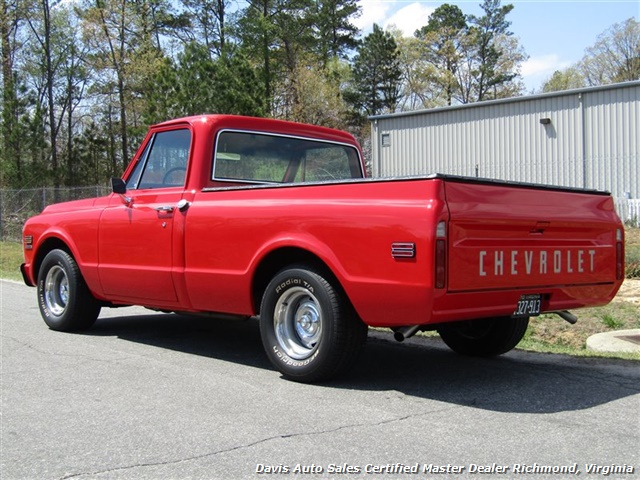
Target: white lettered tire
309, 329
65, 302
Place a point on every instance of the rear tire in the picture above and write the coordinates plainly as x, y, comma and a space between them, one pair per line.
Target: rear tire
310, 332
485, 337
65, 302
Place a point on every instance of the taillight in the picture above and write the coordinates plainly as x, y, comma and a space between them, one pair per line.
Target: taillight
619, 254
441, 255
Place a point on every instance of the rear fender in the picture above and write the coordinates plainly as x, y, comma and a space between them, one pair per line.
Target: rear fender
283, 252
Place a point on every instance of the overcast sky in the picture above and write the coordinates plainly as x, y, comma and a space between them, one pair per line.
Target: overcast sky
553, 33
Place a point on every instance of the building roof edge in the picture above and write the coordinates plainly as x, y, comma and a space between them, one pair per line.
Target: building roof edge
575, 91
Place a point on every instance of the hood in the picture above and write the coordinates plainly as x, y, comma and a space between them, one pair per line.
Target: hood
71, 206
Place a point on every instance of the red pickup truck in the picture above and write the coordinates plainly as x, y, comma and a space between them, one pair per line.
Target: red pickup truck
247, 217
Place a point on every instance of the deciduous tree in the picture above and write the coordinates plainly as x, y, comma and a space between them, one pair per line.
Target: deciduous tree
9, 140
564, 80
615, 57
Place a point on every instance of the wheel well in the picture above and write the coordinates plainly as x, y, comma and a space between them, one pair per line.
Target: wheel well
280, 259
45, 248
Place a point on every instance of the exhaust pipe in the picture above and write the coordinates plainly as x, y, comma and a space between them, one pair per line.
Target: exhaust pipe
568, 316
402, 333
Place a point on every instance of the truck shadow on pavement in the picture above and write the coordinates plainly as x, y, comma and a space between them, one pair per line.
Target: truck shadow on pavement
519, 382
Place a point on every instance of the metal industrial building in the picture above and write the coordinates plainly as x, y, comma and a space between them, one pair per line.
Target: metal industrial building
585, 138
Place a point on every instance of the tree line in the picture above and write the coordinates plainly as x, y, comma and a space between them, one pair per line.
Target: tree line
82, 79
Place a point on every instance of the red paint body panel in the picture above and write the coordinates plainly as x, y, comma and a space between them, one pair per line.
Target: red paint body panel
76, 225
502, 240
135, 247
350, 227
528, 237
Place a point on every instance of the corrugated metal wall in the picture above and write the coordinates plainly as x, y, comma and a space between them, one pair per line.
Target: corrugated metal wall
592, 140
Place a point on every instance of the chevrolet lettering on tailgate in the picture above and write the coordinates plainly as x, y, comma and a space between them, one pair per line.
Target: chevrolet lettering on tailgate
247, 218
530, 262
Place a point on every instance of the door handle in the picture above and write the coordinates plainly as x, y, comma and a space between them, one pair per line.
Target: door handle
165, 209
182, 206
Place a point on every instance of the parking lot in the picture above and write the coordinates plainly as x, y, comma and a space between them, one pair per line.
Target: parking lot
145, 395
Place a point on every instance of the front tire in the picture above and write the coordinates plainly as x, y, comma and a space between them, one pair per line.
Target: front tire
309, 330
487, 337
65, 302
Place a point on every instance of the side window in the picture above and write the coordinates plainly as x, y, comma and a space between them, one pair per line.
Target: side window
163, 162
262, 158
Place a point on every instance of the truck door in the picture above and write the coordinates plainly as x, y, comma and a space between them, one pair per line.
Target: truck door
136, 234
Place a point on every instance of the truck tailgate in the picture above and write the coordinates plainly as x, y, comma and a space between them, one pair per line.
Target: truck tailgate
510, 236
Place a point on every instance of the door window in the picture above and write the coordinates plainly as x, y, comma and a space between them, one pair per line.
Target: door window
164, 161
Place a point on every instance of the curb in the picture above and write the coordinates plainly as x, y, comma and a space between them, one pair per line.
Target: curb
617, 341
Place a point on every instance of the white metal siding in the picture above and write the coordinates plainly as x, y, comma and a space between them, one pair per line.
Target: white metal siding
591, 142
612, 120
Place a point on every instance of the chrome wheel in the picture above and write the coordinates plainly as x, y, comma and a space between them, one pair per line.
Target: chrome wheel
309, 330
297, 322
56, 290
65, 302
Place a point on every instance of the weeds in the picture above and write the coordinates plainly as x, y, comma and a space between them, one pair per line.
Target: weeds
610, 321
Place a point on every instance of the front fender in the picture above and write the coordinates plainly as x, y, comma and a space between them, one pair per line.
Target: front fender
80, 241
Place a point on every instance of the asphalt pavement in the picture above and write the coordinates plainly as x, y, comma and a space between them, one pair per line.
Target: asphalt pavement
155, 396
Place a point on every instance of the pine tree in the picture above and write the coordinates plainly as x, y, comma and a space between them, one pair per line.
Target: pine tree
441, 43
335, 34
486, 32
375, 86
198, 84
209, 21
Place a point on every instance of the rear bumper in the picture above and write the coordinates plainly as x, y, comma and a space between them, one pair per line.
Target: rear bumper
471, 305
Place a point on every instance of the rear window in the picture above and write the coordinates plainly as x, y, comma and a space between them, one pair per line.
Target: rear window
261, 158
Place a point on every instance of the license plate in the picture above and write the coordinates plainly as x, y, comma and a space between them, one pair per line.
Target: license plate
528, 306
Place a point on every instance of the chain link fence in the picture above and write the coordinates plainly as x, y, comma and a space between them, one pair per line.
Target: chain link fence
18, 205
629, 211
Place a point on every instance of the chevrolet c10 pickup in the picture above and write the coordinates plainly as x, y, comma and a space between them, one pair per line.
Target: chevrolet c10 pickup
248, 217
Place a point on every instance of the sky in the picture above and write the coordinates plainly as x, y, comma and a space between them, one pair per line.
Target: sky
555, 34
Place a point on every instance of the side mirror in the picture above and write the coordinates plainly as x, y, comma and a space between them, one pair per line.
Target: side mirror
118, 186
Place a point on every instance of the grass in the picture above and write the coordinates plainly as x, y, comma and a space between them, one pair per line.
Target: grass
10, 260
551, 334
547, 333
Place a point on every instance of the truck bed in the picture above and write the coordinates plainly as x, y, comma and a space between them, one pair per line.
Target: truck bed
504, 240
